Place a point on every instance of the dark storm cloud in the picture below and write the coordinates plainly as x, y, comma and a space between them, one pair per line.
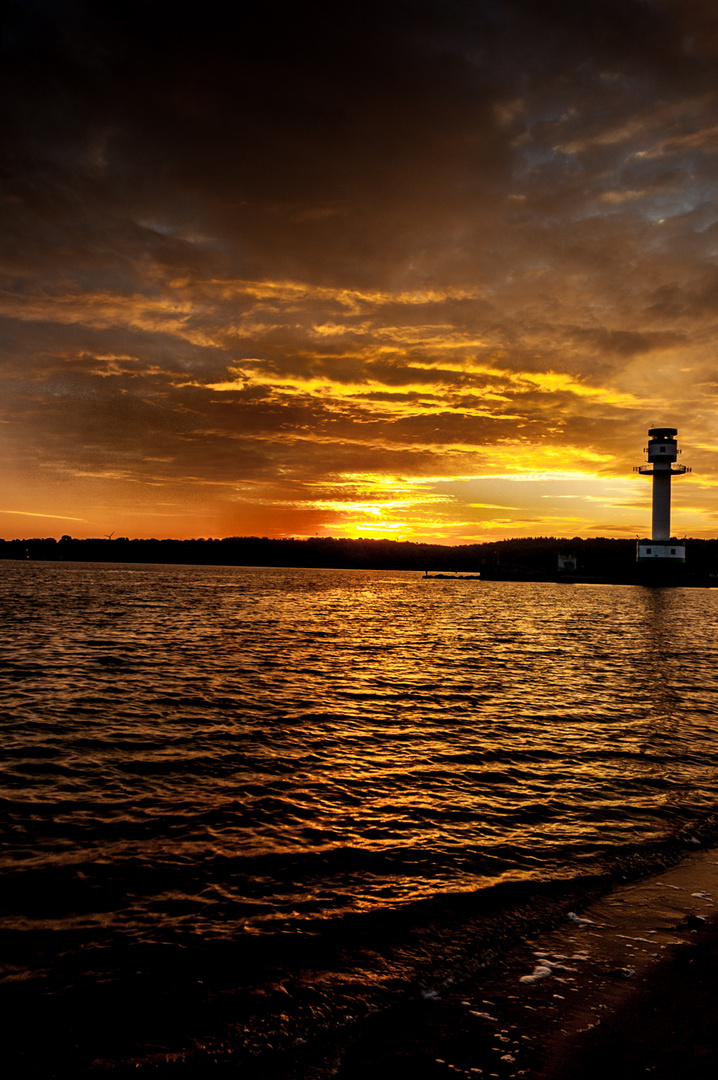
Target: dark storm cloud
292, 129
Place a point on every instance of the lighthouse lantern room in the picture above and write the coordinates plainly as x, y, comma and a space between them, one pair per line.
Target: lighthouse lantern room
662, 451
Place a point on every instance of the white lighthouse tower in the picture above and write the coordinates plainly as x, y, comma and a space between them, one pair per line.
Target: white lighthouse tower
662, 452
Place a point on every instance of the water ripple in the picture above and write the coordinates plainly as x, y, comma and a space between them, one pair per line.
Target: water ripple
235, 753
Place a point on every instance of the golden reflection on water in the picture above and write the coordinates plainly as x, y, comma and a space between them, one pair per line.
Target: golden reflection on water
298, 742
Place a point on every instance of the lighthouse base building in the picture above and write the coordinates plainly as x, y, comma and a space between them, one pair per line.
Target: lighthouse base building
648, 551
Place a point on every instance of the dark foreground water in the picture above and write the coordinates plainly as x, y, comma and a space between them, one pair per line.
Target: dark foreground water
244, 807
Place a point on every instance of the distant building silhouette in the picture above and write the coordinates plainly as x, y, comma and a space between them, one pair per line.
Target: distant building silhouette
567, 564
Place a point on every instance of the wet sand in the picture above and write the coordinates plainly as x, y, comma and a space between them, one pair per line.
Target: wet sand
626, 988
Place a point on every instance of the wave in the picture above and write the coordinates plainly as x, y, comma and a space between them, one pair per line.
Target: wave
252, 1000
241, 808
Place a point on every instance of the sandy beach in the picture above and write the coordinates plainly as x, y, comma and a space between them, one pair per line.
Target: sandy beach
625, 988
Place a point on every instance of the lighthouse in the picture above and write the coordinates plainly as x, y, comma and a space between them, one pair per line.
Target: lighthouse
662, 465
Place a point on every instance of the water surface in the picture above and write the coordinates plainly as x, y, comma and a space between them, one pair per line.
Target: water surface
199, 758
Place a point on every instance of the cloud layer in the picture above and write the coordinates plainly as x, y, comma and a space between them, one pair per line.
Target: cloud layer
425, 270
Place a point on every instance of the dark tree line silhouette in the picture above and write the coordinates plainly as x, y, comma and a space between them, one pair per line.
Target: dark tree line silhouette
532, 557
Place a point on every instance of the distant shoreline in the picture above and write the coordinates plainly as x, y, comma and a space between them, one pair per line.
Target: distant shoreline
579, 561
534, 558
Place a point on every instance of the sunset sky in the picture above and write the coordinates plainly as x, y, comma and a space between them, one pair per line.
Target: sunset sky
417, 269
